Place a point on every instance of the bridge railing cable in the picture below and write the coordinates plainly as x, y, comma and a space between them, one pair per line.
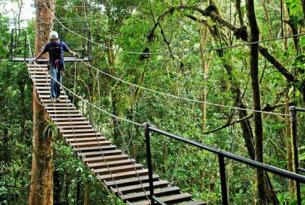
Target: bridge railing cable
180, 97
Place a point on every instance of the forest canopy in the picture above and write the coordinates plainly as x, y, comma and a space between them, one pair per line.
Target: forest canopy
223, 73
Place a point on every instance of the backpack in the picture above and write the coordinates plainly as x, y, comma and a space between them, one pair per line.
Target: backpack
55, 52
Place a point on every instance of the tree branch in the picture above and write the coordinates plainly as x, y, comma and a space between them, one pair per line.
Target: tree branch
240, 15
240, 33
267, 108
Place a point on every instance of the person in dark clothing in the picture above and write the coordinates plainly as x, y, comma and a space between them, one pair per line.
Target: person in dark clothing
56, 49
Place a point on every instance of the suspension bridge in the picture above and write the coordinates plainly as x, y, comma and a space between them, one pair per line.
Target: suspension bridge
122, 175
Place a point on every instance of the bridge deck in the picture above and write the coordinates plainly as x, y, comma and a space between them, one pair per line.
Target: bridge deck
122, 175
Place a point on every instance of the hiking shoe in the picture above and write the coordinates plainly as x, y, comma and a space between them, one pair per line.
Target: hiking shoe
57, 100
53, 100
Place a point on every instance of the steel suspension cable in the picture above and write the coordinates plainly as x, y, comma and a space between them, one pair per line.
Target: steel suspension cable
180, 97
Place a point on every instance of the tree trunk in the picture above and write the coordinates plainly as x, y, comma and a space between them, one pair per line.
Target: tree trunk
57, 188
248, 133
289, 145
67, 189
256, 100
267, 16
78, 191
86, 191
303, 7
240, 15
114, 97
42, 152
205, 69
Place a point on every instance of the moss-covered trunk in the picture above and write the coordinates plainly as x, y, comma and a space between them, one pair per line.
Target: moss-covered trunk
41, 189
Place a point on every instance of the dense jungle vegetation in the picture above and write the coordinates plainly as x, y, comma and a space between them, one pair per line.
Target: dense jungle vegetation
193, 49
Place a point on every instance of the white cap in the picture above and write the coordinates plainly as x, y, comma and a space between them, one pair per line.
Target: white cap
53, 35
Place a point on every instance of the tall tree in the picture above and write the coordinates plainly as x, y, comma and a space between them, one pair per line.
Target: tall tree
254, 32
41, 189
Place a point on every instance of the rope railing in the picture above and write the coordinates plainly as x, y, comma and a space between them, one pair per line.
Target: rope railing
181, 97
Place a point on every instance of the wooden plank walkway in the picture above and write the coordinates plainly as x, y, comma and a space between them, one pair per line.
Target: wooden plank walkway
122, 175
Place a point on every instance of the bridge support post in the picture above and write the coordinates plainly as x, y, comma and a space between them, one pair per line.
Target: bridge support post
149, 164
223, 180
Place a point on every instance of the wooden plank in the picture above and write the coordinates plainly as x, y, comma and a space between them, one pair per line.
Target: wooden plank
61, 97
110, 164
60, 104
79, 135
73, 123
166, 199
66, 115
34, 65
67, 109
40, 84
140, 187
90, 144
40, 75
123, 175
43, 87
108, 158
36, 69
82, 149
49, 101
85, 139
158, 192
193, 203
77, 130
68, 119
58, 111
44, 91
99, 153
118, 169
130, 181
75, 127
38, 80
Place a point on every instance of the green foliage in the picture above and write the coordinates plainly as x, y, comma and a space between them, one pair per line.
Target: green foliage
295, 9
124, 26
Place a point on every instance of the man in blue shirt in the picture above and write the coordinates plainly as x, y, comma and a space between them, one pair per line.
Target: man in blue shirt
56, 49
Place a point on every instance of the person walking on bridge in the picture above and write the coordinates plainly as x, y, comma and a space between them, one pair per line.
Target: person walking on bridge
55, 49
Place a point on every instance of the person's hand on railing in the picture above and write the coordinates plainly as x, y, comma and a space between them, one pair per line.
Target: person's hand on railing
33, 60
75, 55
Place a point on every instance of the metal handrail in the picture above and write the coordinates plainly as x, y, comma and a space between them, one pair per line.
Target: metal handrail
16, 35
221, 159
